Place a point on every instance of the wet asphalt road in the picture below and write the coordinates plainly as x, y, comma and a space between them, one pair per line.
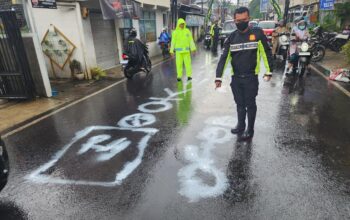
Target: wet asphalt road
124, 155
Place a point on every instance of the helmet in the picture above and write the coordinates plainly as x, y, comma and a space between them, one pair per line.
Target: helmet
132, 32
164, 29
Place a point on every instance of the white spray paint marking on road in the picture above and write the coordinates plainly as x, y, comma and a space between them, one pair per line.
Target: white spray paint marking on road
134, 123
200, 158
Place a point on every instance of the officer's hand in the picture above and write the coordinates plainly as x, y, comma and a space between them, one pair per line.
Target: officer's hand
267, 77
171, 54
217, 84
194, 52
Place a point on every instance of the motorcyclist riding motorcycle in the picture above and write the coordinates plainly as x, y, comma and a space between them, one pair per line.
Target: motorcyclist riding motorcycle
136, 52
301, 33
275, 35
164, 40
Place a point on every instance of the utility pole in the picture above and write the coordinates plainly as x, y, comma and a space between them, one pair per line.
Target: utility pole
202, 6
286, 11
173, 13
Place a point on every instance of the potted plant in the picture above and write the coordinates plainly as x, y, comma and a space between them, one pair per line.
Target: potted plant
76, 70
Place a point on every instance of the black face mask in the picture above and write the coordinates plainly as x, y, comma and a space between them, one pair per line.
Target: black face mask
242, 26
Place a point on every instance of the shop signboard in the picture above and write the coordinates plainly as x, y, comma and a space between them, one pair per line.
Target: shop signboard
50, 4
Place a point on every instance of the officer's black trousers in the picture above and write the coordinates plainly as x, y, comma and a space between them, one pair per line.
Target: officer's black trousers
214, 46
245, 90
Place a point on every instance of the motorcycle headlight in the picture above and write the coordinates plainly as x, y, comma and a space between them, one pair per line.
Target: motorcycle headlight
304, 47
284, 38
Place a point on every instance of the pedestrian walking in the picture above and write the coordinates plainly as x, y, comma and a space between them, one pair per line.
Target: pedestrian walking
183, 45
244, 49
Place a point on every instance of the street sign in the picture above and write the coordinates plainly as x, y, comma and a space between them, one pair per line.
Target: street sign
51, 4
263, 6
327, 4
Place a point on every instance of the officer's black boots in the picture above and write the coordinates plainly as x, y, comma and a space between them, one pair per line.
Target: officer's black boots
249, 133
241, 112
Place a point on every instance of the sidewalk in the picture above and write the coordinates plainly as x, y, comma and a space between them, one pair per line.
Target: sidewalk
332, 61
14, 114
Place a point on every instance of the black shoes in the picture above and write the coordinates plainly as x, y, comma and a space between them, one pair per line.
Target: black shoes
189, 78
179, 79
246, 136
237, 130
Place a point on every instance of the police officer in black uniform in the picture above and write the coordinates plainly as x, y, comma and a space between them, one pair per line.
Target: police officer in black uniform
215, 32
244, 48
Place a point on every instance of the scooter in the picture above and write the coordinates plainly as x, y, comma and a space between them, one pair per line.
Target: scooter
283, 46
165, 48
131, 66
207, 41
4, 165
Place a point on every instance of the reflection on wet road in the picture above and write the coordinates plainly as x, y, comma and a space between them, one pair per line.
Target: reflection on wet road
153, 148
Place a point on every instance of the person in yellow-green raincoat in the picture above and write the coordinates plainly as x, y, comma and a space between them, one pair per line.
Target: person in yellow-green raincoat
182, 44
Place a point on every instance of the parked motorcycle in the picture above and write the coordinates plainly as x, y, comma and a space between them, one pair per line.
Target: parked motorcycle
338, 41
323, 38
318, 51
207, 41
132, 65
4, 165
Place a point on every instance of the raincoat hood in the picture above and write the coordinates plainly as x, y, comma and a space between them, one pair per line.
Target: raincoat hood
180, 21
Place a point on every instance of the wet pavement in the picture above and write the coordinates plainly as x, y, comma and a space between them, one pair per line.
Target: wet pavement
152, 148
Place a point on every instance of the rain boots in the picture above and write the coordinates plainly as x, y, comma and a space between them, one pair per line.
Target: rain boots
241, 113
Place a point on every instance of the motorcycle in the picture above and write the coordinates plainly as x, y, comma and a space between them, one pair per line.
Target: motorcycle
304, 55
165, 48
4, 165
318, 51
323, 38
131, 65
338, 41
283, 46
207, 41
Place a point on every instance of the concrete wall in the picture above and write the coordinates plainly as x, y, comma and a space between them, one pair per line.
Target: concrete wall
66, 19
163, 3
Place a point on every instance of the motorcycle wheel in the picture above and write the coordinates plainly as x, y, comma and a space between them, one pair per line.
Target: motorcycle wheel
4, 166
318, 53
337, 46
148, 64
302, 70
127, 73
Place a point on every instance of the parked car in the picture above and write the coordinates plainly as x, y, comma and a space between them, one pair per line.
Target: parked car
268, 27
253, 24
4, 165
228, 27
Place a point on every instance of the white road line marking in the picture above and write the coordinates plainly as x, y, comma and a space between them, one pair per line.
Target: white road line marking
346, 92
67, 106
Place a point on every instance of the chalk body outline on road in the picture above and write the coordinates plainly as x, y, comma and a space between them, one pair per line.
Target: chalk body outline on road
200, 159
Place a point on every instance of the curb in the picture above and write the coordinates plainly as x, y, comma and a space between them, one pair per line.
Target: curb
325, 72
9, 131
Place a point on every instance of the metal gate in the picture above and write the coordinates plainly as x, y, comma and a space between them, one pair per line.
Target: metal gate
16, 81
